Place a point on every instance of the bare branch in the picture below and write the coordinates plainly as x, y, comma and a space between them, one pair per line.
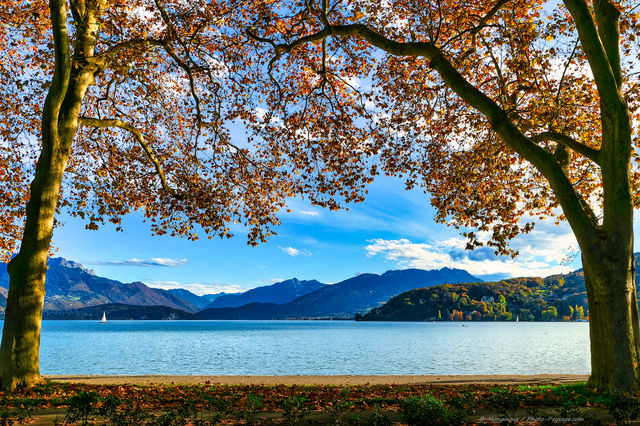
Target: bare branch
481, 24
323, 15
566, 68
503, 85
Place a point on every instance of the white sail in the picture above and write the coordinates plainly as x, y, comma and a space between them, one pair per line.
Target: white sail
104, 318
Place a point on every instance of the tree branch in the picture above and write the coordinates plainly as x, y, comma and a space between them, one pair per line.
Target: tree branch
603, 72
564, 72
95, 122
590, 153
608, 19
323, 14
569, 199
171, 52
481, 24
60, 82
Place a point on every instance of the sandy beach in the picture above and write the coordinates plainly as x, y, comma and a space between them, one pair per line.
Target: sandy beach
323, 380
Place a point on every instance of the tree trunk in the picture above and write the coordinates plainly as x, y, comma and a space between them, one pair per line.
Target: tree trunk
613, 323
20, 349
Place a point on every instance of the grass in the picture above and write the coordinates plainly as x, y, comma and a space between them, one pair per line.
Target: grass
79, 404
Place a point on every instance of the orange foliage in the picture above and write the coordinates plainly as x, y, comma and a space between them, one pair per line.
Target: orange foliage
486, 105
153, 89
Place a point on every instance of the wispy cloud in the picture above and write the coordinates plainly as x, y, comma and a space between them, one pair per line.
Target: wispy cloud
199, 288
154, 261
295, 252
308, 213
541, 254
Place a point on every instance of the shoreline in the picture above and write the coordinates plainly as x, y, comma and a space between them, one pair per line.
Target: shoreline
337, 380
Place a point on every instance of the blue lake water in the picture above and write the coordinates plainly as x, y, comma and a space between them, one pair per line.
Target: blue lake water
312, 347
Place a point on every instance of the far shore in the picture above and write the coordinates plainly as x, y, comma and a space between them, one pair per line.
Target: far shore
339, 380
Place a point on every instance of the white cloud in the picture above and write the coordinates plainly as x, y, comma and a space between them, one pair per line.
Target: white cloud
541, 254
308, 213
199, 288
295, 252
290, 251
154, 261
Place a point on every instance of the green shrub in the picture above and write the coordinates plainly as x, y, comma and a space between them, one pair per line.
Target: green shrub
82, 408
504, 402
217, 409
295, 409
252, 407
377, 418
429, 411
623, 407
464, 402
340, 410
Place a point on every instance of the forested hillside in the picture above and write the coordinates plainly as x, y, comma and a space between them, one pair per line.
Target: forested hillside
557, 297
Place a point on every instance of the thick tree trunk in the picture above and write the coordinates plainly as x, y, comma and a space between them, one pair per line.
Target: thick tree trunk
613, 323
20, 349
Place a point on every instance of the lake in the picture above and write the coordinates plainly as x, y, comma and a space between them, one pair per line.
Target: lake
312, 347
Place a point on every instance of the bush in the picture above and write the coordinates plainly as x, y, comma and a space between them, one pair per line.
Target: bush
295, 409
505, 402
623, 407
429, 411
377, 418
217, 408
340, 410
253, 405
82, 408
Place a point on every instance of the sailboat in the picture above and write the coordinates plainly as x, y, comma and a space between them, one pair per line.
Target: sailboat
104, 318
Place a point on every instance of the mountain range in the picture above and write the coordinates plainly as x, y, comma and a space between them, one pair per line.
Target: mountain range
74, 292
278, 293
346, 298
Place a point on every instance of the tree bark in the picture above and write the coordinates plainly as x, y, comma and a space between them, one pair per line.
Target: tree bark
20, 349
613, 323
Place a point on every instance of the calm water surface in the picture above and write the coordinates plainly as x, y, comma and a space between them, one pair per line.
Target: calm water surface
312, 347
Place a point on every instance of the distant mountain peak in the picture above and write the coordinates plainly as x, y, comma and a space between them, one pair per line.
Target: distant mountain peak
341, 300
61, 261
278, 293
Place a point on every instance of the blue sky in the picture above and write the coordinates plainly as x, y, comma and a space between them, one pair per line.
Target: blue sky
392, 229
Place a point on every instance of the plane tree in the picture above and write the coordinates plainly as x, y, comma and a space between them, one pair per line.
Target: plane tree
504, 111
115, 106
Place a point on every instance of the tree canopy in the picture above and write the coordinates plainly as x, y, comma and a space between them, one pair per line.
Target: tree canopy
429, 89
154, 121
